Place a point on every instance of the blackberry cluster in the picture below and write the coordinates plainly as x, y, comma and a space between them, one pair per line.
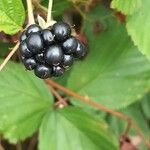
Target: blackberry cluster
50, 52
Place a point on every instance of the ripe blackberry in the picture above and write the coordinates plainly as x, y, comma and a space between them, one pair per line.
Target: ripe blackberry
70, 45
54, 55
35, 43
50, 52
61, 30
43, 71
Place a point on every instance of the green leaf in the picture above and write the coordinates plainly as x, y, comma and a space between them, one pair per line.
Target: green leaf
59, 6
135, 113
71, 129
126, 6
24, 100
12, 16
138, 26
114, 73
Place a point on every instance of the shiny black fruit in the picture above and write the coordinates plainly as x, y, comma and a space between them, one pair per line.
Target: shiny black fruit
48, 37
67, 61
33, 29
35, 43
30, 63
61, 30
42, 71
54, 55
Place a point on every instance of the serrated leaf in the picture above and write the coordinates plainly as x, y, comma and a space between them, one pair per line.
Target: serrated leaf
12, 16
138, 26
74, 129
126, 6
24, 100
114, 73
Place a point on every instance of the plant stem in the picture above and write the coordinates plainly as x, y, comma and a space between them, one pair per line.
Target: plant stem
1, 147
9, 56
19, 146
100, 107
87, 100
57, 95
49, 15
30, 12
138, 130
33, 142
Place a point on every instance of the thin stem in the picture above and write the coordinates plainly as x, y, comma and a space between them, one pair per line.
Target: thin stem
19, 146
30, 12
80, 11
9, 56
138, 130
32, 143
100, 107
40, 8
57, 95
127, 127
49, 15
1, 146
87, 100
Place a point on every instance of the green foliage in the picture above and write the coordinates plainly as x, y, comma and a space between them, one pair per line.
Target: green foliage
71, 129
138, 26
114, 74
138, 18
135, 111
126, 6
12, 16
111, 74
24, 100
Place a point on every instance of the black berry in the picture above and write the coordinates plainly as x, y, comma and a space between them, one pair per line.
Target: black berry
24, 51
61, 30
42, 71
50, 52
70, 45
54, 55
48, 37
80, 51
58, 71
29, 63
33, 29
35, 43
67, 61
23, 36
